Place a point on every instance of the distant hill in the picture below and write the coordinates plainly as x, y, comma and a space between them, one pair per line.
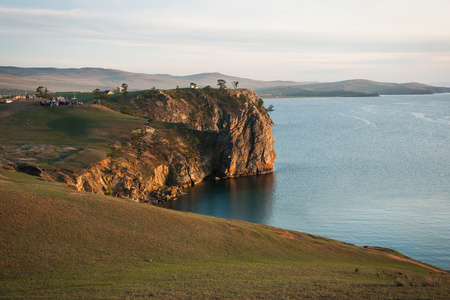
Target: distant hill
382, 88
88, 79
350, 88
85, 79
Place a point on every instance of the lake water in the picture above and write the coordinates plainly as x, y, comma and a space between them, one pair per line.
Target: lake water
368, 171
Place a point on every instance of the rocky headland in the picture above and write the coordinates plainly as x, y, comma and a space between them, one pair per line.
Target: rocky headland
191, 135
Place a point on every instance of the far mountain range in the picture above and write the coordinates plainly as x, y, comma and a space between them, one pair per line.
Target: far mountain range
88, 79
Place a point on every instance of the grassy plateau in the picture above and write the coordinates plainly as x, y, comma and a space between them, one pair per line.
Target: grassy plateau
62, 137
58, 243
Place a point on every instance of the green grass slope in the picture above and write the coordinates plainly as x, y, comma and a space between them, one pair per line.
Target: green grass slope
60, 243
69, 137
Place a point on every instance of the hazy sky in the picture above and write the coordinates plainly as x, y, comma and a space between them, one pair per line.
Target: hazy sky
301, 40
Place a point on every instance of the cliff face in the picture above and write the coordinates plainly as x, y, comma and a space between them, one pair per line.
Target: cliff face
245, 147
192, 135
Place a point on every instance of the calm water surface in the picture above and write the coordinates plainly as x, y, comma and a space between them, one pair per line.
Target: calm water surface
368, 171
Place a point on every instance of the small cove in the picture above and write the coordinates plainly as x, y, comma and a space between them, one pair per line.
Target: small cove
368, 171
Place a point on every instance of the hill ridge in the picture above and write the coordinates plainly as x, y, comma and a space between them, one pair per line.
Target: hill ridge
90, 78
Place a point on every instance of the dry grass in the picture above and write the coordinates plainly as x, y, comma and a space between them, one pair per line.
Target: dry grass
58, 243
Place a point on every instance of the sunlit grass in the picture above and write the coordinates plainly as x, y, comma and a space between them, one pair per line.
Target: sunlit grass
70, 136
60, 243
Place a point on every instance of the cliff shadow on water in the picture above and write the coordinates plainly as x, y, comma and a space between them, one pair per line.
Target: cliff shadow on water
246, 198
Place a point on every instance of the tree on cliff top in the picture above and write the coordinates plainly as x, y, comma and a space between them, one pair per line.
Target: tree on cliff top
222, 84
125, 88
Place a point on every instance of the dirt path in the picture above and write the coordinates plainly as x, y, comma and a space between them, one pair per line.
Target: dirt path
418, 263
380, 252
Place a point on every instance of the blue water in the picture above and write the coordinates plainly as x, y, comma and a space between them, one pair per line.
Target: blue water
368, 171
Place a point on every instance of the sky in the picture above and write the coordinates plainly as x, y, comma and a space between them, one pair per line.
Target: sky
299, 40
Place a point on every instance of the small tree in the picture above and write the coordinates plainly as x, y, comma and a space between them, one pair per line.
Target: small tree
127, 110
97, 95
137, 142
192, 119
125, 88
222, 84
235, 84
114, 154
42, 92
270, 108
172, 137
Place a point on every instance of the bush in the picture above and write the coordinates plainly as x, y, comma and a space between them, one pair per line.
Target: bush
109, 191
399, 281
242, 100
432, 281
127, 110
260, 102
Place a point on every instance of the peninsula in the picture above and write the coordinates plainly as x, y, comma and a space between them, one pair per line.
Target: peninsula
83, 232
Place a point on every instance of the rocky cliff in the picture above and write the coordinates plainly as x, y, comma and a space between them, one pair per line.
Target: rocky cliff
192, 135
245, 146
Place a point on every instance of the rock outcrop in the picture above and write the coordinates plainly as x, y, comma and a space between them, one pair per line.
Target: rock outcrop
192, 135
245, 147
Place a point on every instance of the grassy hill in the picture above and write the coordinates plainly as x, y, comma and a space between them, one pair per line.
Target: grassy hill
382, 88
351, 88
88, 79
56, 242
84, 79
69, 137
60, 243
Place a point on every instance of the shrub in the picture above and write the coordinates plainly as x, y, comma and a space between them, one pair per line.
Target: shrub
127, 110
432, 281
109, 191
260, 102
399, 281
242, 100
